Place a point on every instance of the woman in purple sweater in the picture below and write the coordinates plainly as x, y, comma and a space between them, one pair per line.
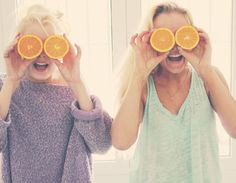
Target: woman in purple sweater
49, 125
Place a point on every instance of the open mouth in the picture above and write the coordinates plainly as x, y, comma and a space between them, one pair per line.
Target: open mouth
40, 66
176, 57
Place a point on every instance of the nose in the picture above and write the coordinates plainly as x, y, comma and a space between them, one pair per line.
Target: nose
42, 55
175, 48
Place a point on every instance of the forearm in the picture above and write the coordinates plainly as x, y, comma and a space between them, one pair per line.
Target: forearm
222, 101
94, 126
6, 92
82, 96
126, 123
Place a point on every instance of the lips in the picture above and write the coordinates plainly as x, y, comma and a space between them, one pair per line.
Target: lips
175, 57
40, 66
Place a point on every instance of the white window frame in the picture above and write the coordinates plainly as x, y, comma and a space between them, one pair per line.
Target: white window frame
228, 170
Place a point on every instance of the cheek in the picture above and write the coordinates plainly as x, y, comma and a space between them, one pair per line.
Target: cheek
52, 67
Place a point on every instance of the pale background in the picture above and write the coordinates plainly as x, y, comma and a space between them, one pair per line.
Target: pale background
103, 28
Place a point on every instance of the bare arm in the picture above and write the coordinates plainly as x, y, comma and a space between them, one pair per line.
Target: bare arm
218, 92
6, 92
70, 70
127, 120
221, 99
82, 96
126, 123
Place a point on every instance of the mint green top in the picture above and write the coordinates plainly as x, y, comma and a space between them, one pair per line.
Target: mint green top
180, 148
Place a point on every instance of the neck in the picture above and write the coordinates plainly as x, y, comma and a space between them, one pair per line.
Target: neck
51, 80
167, 77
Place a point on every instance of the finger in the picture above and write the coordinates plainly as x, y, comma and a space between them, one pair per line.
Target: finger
162, 57
132, 41
205, 37
200, 29
146, 37
142, 38
189, 56
78, 49
206, 44
158, 59
26, 63
58, 63
9, 51
138, 41
143, 33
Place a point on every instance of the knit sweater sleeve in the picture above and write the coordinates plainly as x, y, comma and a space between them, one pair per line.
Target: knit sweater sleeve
94, 126
3, 124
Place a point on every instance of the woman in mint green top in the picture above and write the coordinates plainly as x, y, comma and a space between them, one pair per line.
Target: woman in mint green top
167, 103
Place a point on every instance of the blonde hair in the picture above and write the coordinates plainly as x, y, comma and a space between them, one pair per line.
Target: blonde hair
43, 16
125, 70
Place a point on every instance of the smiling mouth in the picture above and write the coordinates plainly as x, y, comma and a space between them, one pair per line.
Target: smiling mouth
176, 57
40, 66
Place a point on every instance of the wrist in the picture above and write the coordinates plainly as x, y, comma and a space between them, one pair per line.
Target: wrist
139, 78
76, 86
11, 84
206, 72
209, 77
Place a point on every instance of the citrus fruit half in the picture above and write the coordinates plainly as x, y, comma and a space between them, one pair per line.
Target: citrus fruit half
162, 40
56, 46
187, 37
29, 46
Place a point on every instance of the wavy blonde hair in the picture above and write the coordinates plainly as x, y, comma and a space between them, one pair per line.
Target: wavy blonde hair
43, 16
123, 73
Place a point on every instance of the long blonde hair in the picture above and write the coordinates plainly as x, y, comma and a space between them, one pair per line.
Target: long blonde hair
125, 70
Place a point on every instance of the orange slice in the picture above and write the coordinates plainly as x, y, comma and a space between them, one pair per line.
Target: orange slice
56, 46
29, 46
162, 40
187, 37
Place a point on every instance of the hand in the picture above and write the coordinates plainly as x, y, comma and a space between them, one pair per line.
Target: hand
199, 57
146, 58
15, 65
70, 65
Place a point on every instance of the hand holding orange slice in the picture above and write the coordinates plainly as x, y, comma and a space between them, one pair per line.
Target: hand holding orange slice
162, 40
29, 46
56, 46
187, 37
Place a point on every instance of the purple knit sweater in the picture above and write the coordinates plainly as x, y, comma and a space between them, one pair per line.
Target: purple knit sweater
48, 139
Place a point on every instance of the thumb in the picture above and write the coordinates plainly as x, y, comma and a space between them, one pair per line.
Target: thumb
158, 60
58, 63
189, 56
162, 57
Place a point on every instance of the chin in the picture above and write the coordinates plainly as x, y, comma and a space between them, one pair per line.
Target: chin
40, 75
40, 79
175, 67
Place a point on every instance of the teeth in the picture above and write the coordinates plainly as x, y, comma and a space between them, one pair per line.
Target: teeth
175, 56
42, 64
